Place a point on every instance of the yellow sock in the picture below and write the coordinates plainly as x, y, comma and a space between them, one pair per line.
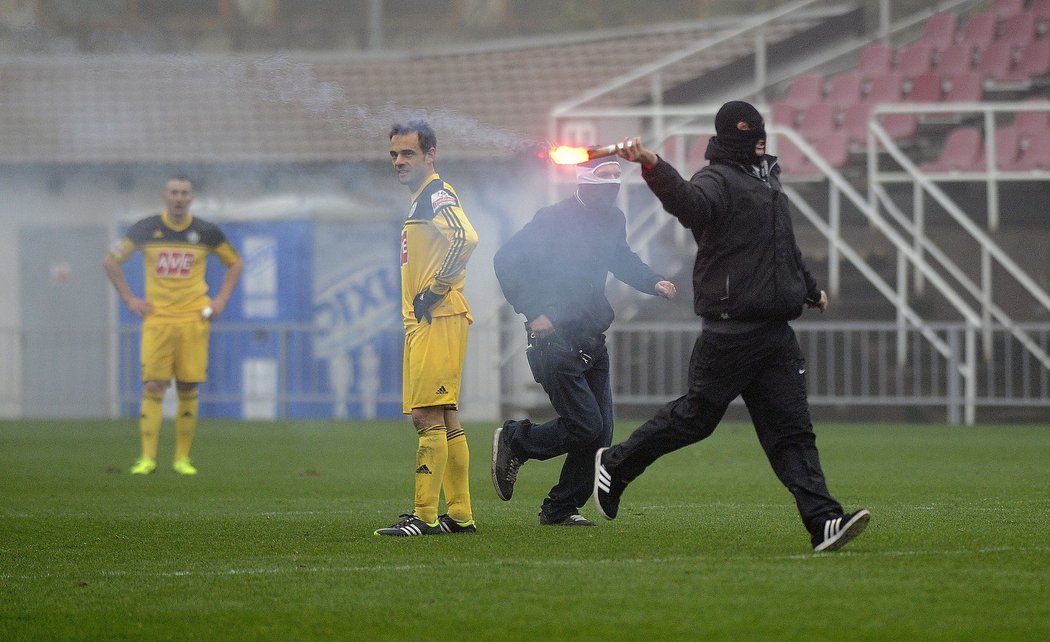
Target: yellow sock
186, 422
430, 470
150, 417
457, 476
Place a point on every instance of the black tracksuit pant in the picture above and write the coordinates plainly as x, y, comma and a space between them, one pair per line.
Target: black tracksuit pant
765, 366
581, 394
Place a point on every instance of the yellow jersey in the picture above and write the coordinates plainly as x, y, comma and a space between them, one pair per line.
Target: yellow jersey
436, 243
175, 258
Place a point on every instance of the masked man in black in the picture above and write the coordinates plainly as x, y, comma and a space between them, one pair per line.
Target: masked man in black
749, 281
553, 272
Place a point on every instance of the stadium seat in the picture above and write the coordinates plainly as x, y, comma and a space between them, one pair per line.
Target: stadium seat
1036, 153
1007, 149
1003, 9
1032, 122
1018, 30
926, 88
855, 123
939, 30
834, 148
885, 89
804, 90
1041, 10
955, 60
996, 61
845, 89
817, 121
914, 59
901, 126
979, 30
967, 88
961, 151
792, 161
875, 59
783, 113
1033, 61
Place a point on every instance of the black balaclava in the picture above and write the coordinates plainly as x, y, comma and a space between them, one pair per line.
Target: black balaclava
734, 144
594, 191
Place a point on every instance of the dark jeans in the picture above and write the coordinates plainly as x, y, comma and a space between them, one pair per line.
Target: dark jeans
767, 369
581, 394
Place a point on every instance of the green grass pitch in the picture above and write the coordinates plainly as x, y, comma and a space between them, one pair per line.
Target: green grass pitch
273, 541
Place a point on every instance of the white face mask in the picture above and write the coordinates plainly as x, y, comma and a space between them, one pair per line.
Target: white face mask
600, 174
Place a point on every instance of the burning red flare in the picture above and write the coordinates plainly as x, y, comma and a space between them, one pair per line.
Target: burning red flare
566, 155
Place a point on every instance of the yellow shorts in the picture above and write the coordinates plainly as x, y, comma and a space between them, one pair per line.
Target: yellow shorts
175, 349
433, 365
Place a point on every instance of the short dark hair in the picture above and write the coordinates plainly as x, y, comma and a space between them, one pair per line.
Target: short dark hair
427, 138
178, 176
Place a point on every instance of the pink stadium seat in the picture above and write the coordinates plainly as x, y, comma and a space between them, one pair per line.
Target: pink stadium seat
1041, 10
979, 30
1005, 8
875, 59
885, 89
968, 88
844, 90
1036, 153
901, 126
955, 60
783, 113
1032, 122
1018, 30
855, 123
1033, 61
791, 159
834, 148
939, 30
914, 59
996, 61
805, 90
1007, 149
817, 121
961, 151
926, 88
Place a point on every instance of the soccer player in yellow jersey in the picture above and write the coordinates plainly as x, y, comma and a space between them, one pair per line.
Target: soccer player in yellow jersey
176, 313
436, 242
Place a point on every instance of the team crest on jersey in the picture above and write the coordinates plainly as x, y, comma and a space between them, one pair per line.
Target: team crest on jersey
158, 234
193, 237
441, 198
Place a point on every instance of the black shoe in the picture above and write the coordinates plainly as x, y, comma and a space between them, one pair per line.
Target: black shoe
570, 520
449, 525
836, 531
409, 526
607, 489
504, 465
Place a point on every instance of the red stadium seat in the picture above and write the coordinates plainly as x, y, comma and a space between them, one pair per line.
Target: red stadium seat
834, 148
979, 30
791, 159
783, 113
926, 88
855, 123
968, 88
1018, 30
1003, 9
1033, 61
844, 90
817, 121
875, 59
997, 61
1007, 149
1036, 153
955, 60
1041, 10
804, 90
914, 59
901, 126
1032, 122
961, 151
885, 89
939, 30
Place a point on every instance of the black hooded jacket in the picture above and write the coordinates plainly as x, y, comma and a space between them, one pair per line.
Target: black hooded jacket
558, 264
748, 266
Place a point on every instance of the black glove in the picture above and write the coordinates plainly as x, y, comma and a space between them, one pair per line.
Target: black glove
423, 303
